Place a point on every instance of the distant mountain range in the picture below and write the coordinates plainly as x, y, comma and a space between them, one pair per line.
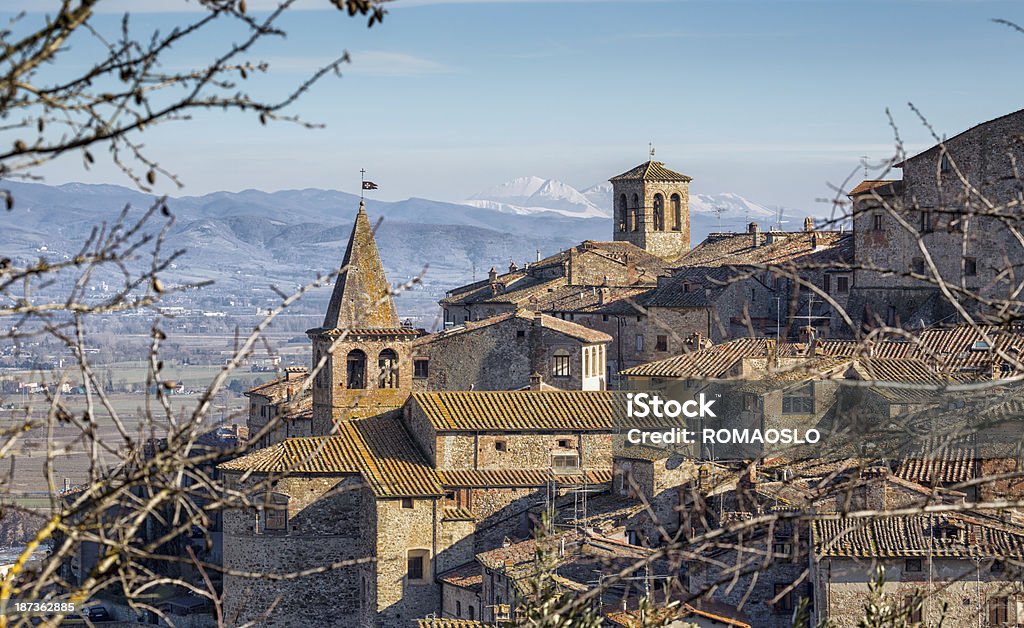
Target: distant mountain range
250, 239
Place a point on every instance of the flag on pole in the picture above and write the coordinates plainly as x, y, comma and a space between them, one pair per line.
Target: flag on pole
369, 185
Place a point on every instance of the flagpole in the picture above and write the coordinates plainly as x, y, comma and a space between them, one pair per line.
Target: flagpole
362, 182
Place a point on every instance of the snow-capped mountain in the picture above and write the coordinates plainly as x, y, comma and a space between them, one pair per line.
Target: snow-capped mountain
600, 195
726, 211
532, 195
731, 204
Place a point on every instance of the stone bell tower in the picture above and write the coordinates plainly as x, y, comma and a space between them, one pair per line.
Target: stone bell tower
652, 209
368, 369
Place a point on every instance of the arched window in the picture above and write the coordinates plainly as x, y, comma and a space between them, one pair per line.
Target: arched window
637, 215
388, 363
677, 212
659, 212
355, 373
623, 214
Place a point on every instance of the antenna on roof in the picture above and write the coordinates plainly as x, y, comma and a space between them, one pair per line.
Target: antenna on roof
650, 150
864, 161
718, 211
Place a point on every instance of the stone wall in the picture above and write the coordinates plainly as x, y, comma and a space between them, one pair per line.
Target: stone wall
522, 450
329, 520
460, 603
669, 242
956, 591
501, 356
399, 531
939, 194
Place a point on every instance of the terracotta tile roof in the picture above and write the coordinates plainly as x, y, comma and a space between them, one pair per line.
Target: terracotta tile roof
280, 389
522, 286
882, 187
650, 171
568, 328
588, 299
958, 351
940, 463
794, 247
715, 612
932, 356
522, 410
445, 622
361, 332
379, 449
520, 477
695, 286
713, 362
458, 514
468, 576
362, 295
918, 536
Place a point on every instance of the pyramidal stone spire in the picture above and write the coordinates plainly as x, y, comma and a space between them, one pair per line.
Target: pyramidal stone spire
362, 295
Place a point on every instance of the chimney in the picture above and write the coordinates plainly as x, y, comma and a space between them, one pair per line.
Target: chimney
492, 275
755, 232
807, 334
808, 224
538, 255
602, 295
538, 319
814, 240
512, 266
536, 381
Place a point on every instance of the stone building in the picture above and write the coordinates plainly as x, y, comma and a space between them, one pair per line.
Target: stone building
965, 565
652, 209
656, 297
394, 487
956, 199
511, 351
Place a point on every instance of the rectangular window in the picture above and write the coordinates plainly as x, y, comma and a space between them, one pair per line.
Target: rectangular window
500, 445
661, 343
421, 368
639, 343
783, 601
520, 333
565, 462
970, 266
913, 565
998, 611
416, 560
842, 284
406, 502
876, 222
604, 318
827, 284
276, 518
917, 265
561, 365
926, 221
798, 400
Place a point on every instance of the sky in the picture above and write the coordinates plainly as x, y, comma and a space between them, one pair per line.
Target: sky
774, 100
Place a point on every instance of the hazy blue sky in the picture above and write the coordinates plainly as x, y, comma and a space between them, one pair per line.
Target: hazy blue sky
770, 99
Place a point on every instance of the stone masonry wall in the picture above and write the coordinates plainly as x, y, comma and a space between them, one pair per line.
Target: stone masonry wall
323, 528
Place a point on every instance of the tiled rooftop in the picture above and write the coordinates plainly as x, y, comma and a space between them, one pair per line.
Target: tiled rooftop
520, 477
568, 328
468, 576
379, 449
511, 411
650, 171
738, 249
913, 536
